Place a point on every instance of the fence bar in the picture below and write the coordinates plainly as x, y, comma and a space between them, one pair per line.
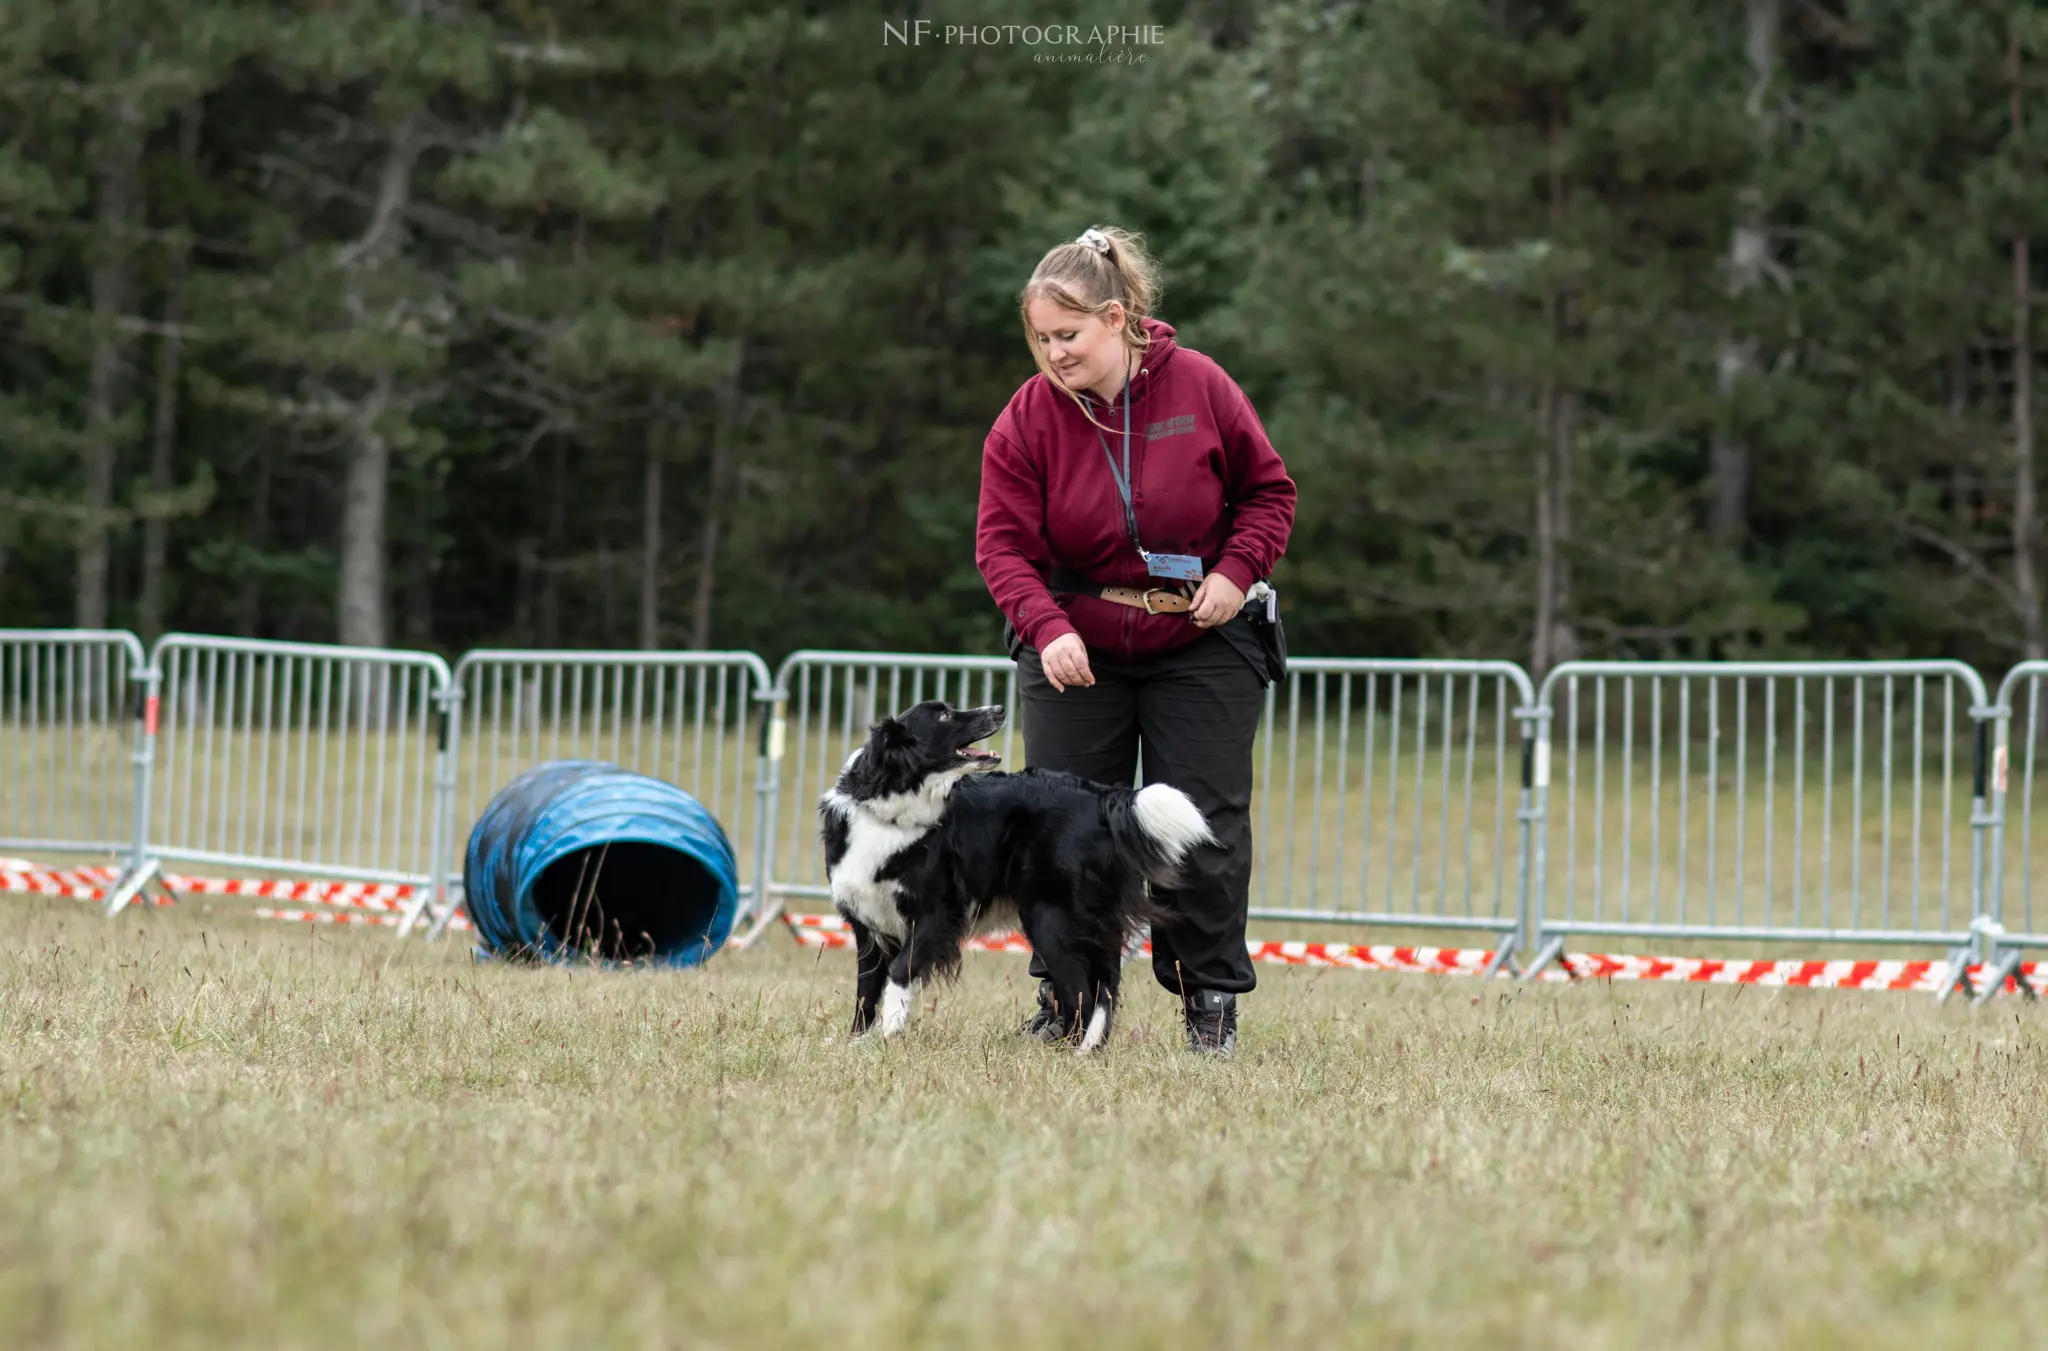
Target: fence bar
71, 740
1401, 739
1397, 782
1383, 797
1691, 891
2005, 929
245, 730
823, 703
682, 717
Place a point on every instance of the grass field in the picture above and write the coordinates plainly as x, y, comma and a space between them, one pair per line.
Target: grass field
218, 1132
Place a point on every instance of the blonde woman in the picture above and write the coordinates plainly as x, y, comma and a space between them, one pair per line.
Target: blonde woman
1131, 511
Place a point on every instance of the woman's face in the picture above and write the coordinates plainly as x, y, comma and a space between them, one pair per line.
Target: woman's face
1086, 351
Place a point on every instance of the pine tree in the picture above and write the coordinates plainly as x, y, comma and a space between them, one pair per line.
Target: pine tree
88, 86
593, 316
344, 324
1471, 309
1926, 163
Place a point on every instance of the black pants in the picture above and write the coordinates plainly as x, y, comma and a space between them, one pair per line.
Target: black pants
1195, 713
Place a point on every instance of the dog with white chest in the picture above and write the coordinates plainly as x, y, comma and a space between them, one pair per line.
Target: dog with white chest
927, 842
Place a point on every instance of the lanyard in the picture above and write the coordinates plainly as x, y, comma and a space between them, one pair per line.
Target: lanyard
1123, 477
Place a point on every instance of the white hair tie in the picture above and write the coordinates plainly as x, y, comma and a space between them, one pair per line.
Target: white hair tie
1095, 240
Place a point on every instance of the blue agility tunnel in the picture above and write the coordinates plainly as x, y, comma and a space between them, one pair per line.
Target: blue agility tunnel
578, 859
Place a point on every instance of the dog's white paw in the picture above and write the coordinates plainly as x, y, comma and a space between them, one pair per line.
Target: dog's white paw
895, 1009
1098, 1030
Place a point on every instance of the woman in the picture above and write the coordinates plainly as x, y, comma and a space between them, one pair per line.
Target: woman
1130, 501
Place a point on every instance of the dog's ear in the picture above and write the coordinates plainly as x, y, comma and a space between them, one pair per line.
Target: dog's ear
890, 733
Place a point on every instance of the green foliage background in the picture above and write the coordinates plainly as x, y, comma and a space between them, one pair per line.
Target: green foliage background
752, 268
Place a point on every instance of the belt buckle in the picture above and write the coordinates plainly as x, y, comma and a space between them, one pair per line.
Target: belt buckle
1147, 596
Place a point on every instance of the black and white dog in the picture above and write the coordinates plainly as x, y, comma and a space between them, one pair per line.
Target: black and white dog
925, 844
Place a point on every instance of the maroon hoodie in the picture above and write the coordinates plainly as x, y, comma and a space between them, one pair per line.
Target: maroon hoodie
1204, 479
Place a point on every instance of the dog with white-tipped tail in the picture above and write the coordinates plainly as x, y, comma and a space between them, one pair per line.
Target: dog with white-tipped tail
927, 843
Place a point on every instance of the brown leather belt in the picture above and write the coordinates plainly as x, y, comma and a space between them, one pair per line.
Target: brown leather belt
1154, 602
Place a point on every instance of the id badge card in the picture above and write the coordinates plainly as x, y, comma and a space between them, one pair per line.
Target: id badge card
1174, 567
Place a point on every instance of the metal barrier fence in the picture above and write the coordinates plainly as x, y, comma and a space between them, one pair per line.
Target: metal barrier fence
71, 766
1366, 767
1858, 803
679, 716
2009, 919
298, 758
824, 703
1830, 802
1394, 793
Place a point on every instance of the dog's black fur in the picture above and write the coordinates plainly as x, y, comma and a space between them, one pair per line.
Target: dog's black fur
925, 843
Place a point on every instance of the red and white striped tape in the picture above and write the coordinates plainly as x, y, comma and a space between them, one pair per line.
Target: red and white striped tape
830, 931
383, 904
386, 899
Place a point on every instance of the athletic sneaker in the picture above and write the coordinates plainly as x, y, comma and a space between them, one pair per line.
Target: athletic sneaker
1211, 1017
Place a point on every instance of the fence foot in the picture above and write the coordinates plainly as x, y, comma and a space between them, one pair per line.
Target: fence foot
442, 917
770, 914
133, 883
1503, 956
1552, 951
421, 904
1958, 976
769, 918
1994, 982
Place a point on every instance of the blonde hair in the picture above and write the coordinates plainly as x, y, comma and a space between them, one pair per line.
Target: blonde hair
1105, 266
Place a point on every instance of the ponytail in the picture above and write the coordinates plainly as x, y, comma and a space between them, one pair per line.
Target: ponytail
1105, 266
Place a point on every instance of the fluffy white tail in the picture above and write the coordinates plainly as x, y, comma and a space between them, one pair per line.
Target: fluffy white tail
1171, 820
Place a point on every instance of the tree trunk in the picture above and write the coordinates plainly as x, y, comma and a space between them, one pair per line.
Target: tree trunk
419, 588
522, 594
599, 567
361, 602
650, 533
118, 188
2026, 504
550, 562
1564, 431
156, 529
249, 609
363, 495
722, 432
1546, 537
1556, 637
651, 479
170, 350
1749, 249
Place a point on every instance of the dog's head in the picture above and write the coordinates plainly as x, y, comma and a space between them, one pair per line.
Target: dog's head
932, 741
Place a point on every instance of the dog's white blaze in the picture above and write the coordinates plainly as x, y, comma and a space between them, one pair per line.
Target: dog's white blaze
869, 845
1098, 1027
895, 1009
876, 831
921, 807
1172, 819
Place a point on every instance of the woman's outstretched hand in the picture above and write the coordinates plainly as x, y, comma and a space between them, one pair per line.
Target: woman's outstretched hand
1065, 659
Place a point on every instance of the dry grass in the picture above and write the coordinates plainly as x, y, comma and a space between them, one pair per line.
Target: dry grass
215, 1132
